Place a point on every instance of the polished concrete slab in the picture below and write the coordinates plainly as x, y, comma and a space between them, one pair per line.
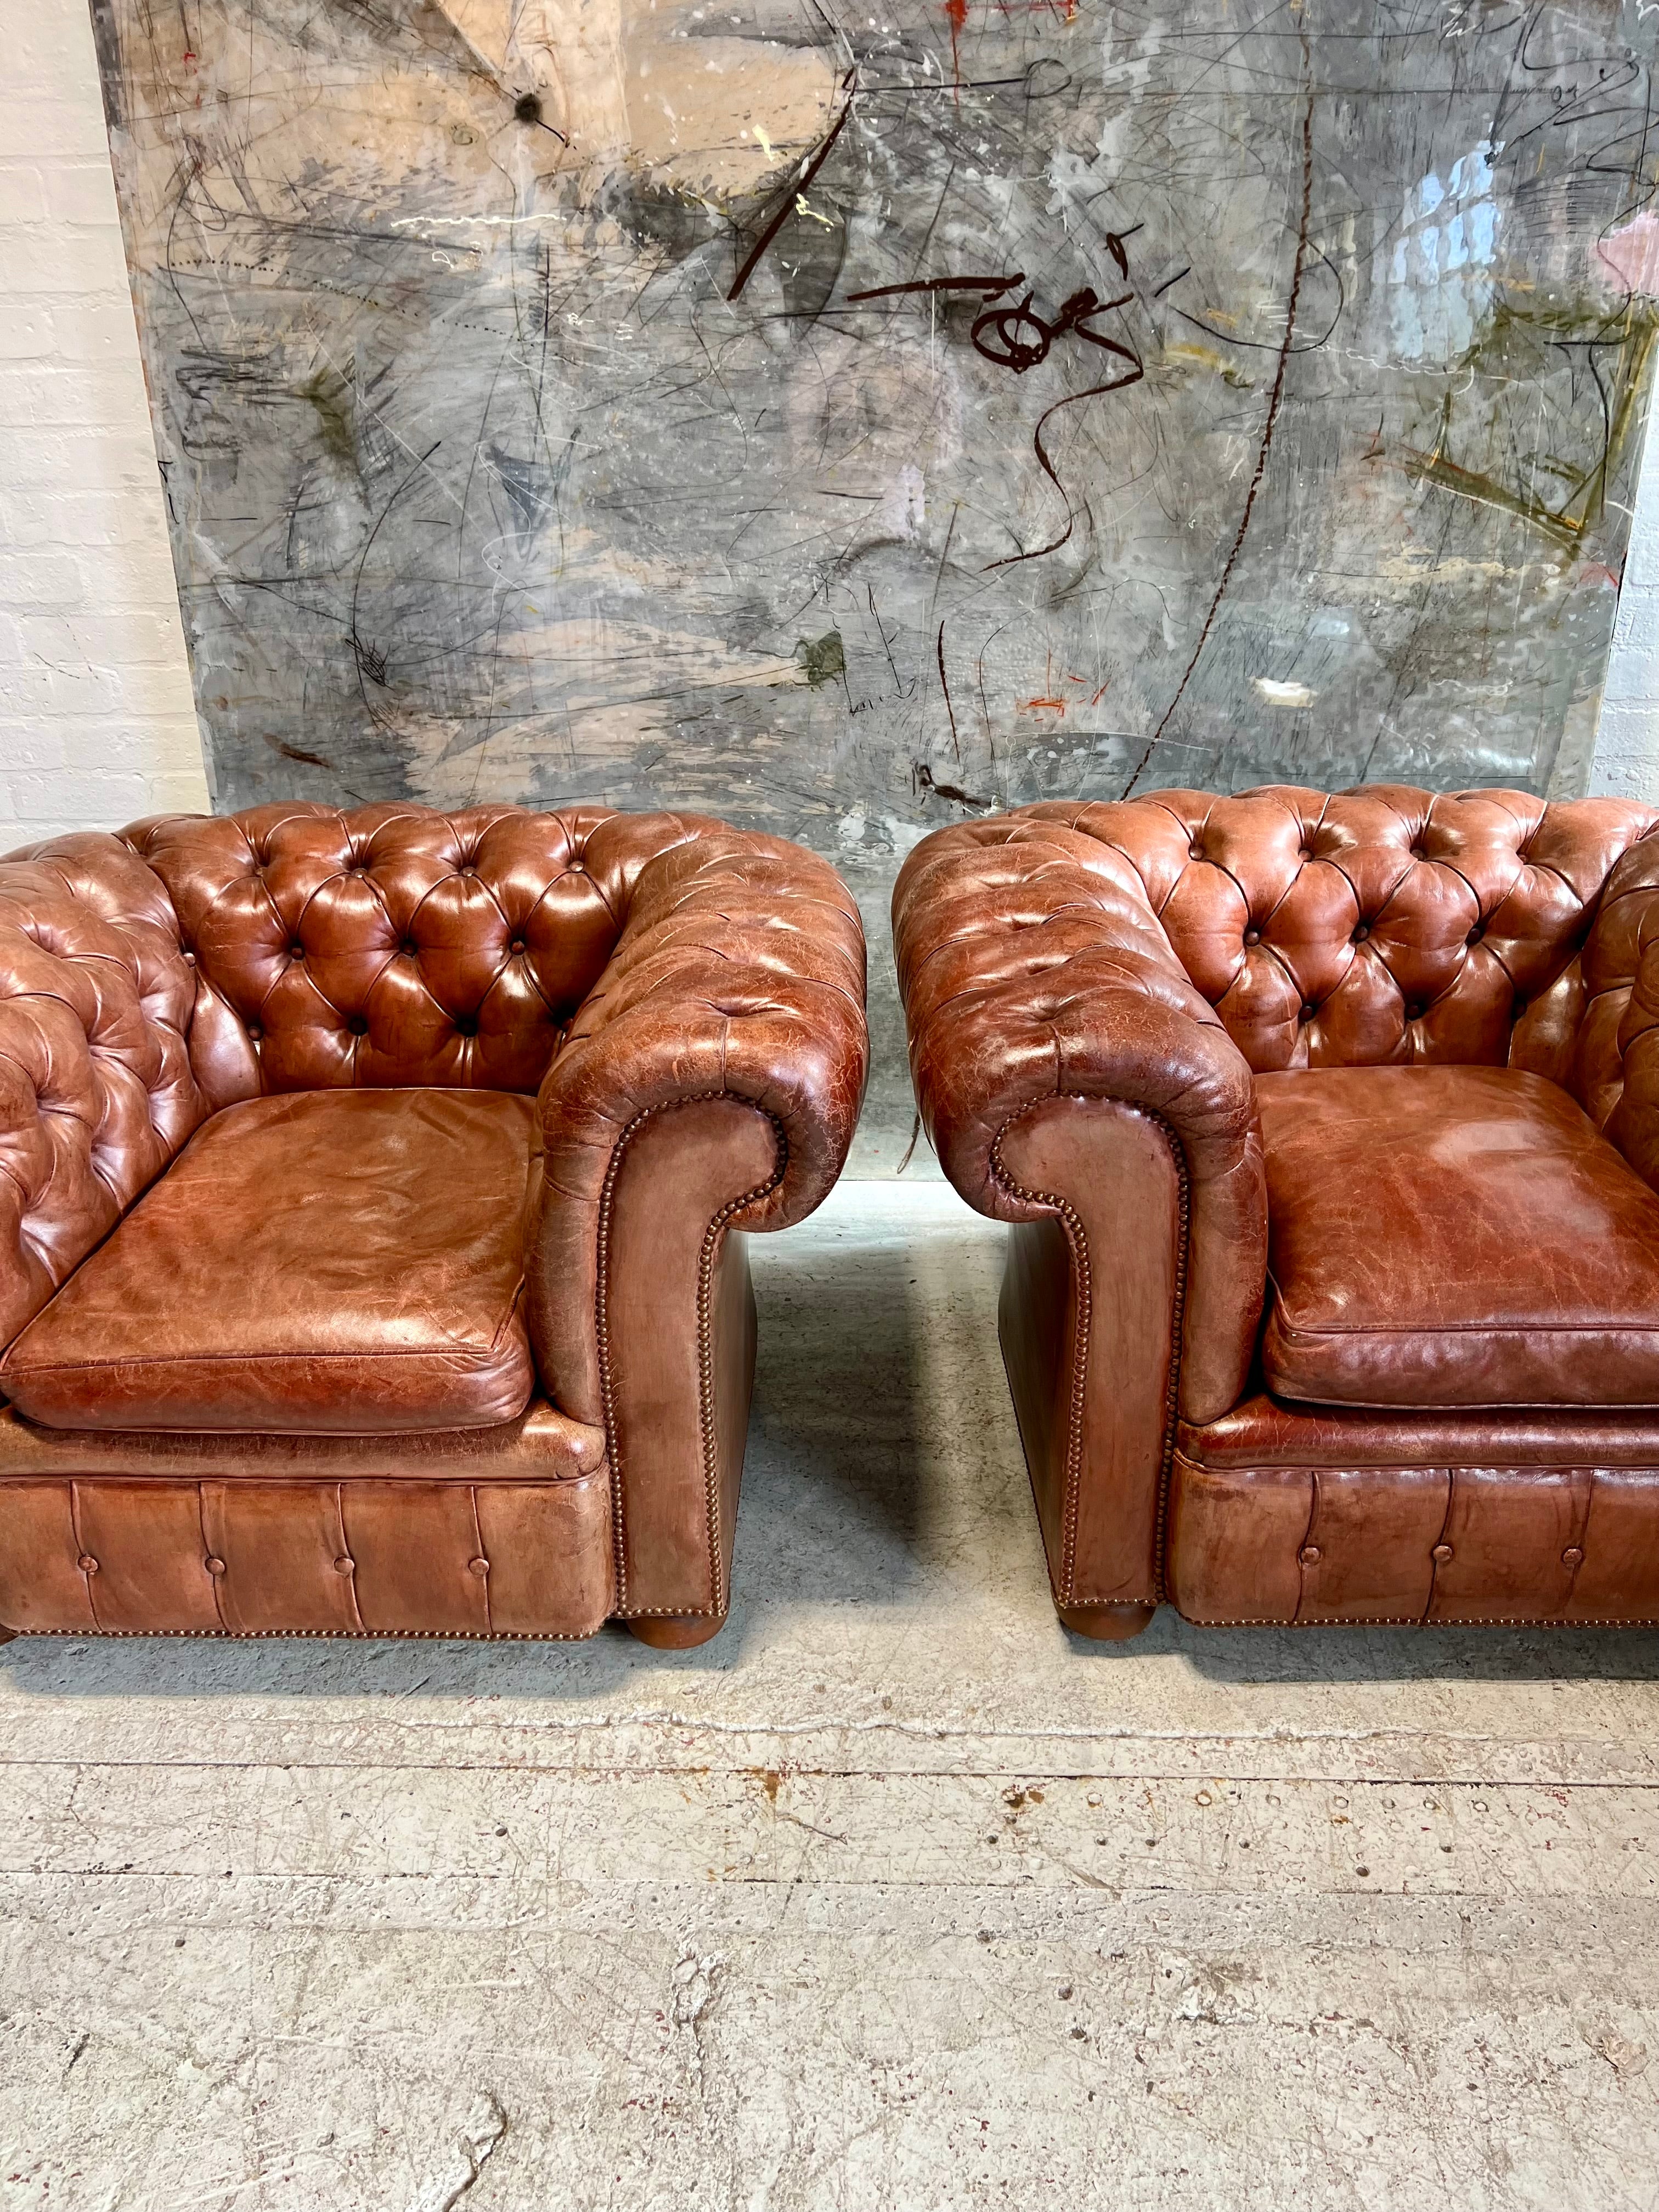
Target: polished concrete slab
894, 1896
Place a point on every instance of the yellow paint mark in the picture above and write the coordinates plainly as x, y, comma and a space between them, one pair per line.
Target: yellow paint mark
1206, 356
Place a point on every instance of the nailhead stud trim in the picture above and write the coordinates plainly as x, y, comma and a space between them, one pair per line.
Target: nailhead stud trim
711, 1238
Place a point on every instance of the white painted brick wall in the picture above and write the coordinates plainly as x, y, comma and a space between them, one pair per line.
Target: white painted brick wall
97, 724
96, 721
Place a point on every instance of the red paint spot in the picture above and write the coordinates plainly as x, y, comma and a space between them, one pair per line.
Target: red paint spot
956, 15
1594, 569
1027, 705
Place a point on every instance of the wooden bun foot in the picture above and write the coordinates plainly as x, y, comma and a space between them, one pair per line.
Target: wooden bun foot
1105, 1624
677, 1635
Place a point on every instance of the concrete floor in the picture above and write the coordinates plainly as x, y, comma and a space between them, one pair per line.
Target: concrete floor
894, 1896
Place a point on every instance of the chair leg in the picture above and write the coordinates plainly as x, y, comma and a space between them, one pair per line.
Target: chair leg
677, 1635
1105, 1624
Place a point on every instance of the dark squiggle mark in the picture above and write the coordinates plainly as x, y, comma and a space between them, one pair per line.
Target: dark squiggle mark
367, 657
807, 174
1273, 399
944, 686
1260, 345
1072, 400
990, 287
999, 336
954, 792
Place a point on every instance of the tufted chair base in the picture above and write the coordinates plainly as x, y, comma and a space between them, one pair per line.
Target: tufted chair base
242, 1557
1316, 1516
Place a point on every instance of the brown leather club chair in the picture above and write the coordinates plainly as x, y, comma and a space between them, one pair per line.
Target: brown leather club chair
1384, 1065
367, 1189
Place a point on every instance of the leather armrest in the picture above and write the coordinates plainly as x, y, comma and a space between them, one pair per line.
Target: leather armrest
1032, 967
712, 1080
97, 1092
1614, 1072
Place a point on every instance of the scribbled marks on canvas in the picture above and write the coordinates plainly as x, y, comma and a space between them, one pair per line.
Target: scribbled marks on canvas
844, 425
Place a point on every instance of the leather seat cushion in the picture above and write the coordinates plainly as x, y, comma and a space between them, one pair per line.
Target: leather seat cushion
323, 1262
1446, 1237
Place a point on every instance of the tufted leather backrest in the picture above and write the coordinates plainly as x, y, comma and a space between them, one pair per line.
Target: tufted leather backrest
396, 944
97, 1089
1381, 924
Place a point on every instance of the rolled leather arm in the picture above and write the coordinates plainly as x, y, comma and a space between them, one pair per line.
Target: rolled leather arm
712, 1080
1615, 1061
1032, 968
97, 1092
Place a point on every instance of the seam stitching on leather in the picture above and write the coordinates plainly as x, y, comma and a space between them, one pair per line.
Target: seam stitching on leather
367, 1635
1445, 1524
207, 1548
1367, 1621
80, 1553
705, 1354
482, 1553
1077, 1238
1307, 1539
346, 1552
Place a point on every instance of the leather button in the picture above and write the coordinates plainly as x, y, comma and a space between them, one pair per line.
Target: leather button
1441, 1552
87, 1564
255, 1032
1476, 933
296, 952
214, 1566
190, 958
1361, 931
517, 945
1572, 1557
358, 1025
344, 1566
1309, 1555
467, 1025
1414, 1012
479, 1567
1194, 852
579, 867
410, 949
1309, 1011
1253, 937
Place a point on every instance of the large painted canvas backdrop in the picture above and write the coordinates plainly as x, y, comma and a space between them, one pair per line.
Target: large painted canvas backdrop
843, 421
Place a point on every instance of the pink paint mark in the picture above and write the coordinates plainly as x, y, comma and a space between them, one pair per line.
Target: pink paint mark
1631, 254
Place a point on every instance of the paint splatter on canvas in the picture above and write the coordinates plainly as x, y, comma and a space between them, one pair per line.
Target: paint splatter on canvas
847, 422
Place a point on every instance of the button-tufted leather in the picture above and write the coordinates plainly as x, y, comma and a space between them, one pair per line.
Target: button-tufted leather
1191, 959
688, 1002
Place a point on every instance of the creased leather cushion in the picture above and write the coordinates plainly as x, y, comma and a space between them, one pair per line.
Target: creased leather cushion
342, 1262
1445, 1237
